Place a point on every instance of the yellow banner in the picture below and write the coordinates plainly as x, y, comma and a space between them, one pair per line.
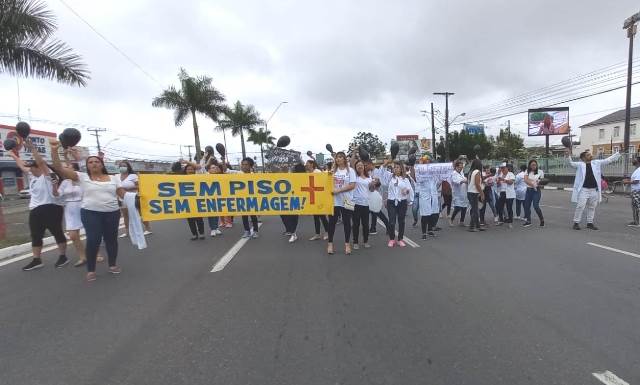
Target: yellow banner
164, 196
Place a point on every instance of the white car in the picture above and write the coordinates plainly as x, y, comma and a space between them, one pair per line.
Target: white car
24, 194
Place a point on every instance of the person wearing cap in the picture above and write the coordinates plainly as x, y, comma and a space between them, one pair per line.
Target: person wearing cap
586, 187
634, 182
45, 208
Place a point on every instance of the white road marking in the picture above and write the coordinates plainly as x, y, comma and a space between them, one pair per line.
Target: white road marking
613, 249
44, 250
222, 262
609, 378
406, 239
554, 207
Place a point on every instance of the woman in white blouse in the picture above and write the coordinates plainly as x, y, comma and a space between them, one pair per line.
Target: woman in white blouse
100, 213
459, 191
399, 196
129, 182
344, 181
361, 208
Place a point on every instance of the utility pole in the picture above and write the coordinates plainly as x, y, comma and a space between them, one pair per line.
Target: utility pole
433, 134
96, 132
446, 122
631, 27
509, 139
188, 146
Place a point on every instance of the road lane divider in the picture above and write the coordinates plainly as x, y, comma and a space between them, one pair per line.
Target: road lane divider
407, 240
609, 378
222, 262
614, 249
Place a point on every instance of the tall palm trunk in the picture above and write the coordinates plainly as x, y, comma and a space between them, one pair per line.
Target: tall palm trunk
244, 153
195, 133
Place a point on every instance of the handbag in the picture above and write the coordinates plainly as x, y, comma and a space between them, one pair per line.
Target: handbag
348, 204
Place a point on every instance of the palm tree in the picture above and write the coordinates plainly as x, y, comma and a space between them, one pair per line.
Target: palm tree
195, 95
240, 118
26, 48
261, 137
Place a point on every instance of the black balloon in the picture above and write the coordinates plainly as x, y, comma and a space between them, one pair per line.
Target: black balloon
412, 160
309, 153
221, 149
395, 147
566, 141
329, 148
413, 150
70, 137
176, 167
363, 153
208, 150
23, 129
10, 144
283, 141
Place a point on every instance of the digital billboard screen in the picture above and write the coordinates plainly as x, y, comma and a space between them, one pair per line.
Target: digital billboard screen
549, 121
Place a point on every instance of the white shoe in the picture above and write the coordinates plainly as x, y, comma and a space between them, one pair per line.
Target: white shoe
293, 238
124, 235
147, 232
217, 232
213, 233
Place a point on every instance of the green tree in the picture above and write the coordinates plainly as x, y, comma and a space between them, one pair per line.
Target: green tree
26, 47
370, 142
261, 137
195, 95
464, 143
508, 145
239, 119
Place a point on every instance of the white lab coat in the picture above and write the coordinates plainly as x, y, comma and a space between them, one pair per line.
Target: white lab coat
459, 189
581, 171
520, 186
428, 196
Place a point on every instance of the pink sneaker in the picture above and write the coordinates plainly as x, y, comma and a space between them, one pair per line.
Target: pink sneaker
391, 243
228, 225
401, 243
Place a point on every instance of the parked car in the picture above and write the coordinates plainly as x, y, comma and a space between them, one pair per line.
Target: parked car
24, 194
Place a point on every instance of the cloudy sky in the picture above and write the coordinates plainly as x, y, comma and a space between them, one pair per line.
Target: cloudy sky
343, 66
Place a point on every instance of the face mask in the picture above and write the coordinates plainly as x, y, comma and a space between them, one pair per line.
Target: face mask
123, 170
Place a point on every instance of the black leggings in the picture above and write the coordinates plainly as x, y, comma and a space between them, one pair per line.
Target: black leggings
46, 217
196, 225
346, 223
374, 217
290, 223
396, 212
503, 203
461, 210
254, 222
361, 216
428, 222
325, 223
519, 208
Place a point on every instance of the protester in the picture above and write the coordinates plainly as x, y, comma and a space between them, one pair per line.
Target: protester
505, 181
206, 159
521, 192
447, 198
361, 205
376, 174
196, 224
214, 221
399, 196
291, 221
246, 167
344, 181
429, 203
100, 213
488, 176
634, 182
459, 192
312, 166
586, 189
45, 210
534, 192
475, 194
129, 182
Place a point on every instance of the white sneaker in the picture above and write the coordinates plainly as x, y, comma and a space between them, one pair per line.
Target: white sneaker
495, 220
213, 233
293, 238
124, 235
147, 232
217, 232
254, 235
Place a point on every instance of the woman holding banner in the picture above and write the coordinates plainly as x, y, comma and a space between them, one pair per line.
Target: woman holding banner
214, 222
429, 198
344, 181
196, 224
400, 196
129, 182
249, 232
312, 166
100, 212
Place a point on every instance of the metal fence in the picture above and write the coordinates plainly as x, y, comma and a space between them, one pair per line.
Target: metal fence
558, 165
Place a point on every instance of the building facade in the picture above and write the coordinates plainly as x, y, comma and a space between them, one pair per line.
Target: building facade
606, 135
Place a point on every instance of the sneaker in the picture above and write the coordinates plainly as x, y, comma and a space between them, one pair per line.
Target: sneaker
90, 277
633, 224
482, 229
218, 232
356, 246
401, 243
541, 223
591, 226
495, 220
431, 233
482, 224
61, 262
576, 226
373, 232
35, 263
286, 234
80, 262
391, 243
213, 233
526, 224
367, 246
415, 223
255, 235
147, 232
124, 235
315, 237
194, 238
246, 234
325, 237
450, 222
228, 225
499, 223
293, 238
424, 237
115, 270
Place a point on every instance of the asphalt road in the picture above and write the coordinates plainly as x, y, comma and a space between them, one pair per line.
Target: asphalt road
507, 306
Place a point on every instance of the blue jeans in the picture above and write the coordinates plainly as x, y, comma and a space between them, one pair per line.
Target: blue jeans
213, 222
532, 196
100, 225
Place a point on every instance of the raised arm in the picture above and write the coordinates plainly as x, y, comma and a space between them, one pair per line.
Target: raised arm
40, 162
571, 163
610, 159
57, 164
19, 162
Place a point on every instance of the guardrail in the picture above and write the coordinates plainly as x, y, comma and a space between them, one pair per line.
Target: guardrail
557, 165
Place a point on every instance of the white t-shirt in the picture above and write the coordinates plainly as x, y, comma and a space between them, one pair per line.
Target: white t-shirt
472, 183
361, 192
535, 178
635, 176
97, 195
129, 183
70, 191
41, 191
341, 179
510, 189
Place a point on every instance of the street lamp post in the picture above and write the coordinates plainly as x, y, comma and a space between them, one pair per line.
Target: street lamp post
266, 126
631, 27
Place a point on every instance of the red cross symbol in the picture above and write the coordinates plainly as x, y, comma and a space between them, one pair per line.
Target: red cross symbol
311, 189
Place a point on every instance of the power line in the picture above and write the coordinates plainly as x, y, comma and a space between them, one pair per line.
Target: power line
129, 59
